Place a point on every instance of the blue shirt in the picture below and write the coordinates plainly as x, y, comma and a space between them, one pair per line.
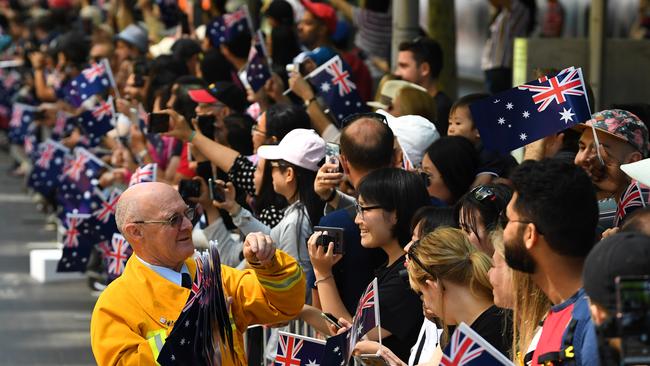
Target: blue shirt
167, 273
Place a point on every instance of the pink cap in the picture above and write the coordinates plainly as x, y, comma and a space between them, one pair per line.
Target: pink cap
300, 147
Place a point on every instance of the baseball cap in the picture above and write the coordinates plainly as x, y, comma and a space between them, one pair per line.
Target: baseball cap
622, 254
300, 147
135, 36
389, 91
414, 134
221, 91
324, 12
621, 124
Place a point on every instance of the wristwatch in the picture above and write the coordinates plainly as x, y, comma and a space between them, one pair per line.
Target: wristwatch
309, 101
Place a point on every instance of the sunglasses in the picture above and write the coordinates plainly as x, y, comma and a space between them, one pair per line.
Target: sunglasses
482, 193
412, 257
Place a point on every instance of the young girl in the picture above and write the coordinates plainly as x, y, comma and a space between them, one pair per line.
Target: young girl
491, 164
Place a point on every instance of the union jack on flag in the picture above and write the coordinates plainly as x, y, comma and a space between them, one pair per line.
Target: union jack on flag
75, 167
104, 109
297, 350
107, 204
514, 118
556, 90
635, 196
466, 347
116, 254
94, 71
145, 173
72, 229
340, 77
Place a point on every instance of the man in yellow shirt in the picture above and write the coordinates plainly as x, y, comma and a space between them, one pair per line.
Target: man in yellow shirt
136, 312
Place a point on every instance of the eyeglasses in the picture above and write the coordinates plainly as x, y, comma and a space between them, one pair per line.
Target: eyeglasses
353, 117
255, 129
361, 209
504, 220
278, 164
482, 193
175, 221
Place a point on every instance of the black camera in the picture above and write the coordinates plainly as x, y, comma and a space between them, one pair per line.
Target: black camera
189, 188
206, 125
140, 71
633, 318
331, 235
158, 122
217, 192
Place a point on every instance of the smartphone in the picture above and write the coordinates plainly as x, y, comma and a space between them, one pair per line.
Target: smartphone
331, 319
217, 192
206, 125
633, 317
371, 360
189, 188
334, 235
139, 73
158, 122
332, 152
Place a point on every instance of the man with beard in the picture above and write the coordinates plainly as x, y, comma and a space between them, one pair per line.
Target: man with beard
611, 138
549, 228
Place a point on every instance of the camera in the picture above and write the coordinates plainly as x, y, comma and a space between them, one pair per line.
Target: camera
158, 122
206, 125
217, 192
331, 235
189, 188
140, 71
633, 318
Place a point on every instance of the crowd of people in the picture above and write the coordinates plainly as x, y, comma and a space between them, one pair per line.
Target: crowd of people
308, 206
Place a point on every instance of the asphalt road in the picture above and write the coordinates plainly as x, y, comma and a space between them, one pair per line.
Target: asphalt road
40, 324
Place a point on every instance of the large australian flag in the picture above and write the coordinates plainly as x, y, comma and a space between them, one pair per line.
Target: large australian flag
467, 347
532, 111
333, 84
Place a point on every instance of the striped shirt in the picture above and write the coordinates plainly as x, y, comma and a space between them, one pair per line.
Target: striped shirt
507, 25
374, 31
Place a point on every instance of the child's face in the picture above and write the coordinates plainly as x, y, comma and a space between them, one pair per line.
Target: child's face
461, 124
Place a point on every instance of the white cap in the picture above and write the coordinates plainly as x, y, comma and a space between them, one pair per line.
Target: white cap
639, 170
300, 147
414, 134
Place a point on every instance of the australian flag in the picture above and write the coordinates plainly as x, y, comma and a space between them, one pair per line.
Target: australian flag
532, 111
77, 243
96, 122
83, 170
466, 347
636, 196
366, 316
48, 166
94, 80
22, 117
115, 255
228, 26
297, 350
257, 69
145, 173
333, 84
192, 340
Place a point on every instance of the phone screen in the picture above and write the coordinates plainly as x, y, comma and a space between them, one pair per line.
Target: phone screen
206, 125
633, 317
158, 122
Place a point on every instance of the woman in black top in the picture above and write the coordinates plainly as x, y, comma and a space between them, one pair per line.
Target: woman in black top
388, 198
452, 276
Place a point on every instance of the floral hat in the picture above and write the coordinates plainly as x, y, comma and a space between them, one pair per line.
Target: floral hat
623, 125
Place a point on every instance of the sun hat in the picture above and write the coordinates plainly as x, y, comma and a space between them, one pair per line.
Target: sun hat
621, 124
389, 92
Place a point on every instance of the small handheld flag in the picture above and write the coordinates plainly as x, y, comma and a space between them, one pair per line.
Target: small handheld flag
467, 347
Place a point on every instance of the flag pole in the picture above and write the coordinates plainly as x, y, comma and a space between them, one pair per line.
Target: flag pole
109, 72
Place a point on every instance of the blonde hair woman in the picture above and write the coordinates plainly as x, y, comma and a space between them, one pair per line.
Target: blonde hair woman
452, 277
515, 290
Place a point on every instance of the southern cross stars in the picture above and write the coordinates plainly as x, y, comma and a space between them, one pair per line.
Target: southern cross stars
325, 87
526, 114
523, 136
501, 121
566, 115
509, 105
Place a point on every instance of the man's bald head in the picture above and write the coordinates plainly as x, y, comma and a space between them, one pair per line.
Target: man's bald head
141, 200
367, 144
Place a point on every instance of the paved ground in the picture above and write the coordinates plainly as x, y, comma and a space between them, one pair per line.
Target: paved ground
40, 324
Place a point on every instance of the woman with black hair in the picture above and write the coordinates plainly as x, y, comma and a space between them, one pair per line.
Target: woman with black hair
449, 166
478, 212
388, 199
